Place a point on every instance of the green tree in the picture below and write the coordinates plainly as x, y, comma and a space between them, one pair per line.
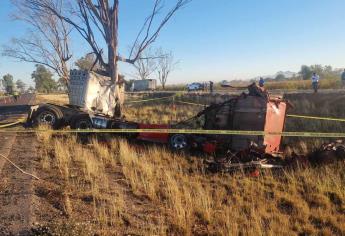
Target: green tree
318, 69
7, 83
328, 70
280, 77
306, 72
21, 86
61, 85
43, 79
31, 89
87, 62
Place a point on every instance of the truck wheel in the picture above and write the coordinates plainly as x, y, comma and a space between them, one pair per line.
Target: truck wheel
81, 121
179, 142
48, 115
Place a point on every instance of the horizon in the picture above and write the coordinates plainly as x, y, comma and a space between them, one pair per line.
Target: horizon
237, 40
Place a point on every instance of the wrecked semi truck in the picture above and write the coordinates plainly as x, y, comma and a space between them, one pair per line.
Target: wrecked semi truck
95, 103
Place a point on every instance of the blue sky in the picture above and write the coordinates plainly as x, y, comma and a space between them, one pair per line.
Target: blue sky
223, 39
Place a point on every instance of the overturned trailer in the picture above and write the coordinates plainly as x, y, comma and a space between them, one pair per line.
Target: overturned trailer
252, 111
93, 105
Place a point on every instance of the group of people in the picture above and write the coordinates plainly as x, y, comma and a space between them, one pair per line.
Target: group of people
315, 79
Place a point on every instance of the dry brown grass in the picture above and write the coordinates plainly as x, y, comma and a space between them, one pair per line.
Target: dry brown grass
121, 188
303, 84
160, 114
60, 99
178, 197
83, 173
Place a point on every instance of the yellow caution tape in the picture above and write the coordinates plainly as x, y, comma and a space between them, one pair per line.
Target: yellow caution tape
190, 103
12, 124
316, 118
156, 99
188, 131
147, 100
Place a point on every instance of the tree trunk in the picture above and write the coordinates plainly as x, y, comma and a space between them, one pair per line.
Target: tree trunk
113, 42
112, 35
113, 72
65, 72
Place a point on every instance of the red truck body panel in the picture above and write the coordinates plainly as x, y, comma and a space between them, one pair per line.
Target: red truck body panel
154, 137
252, 113
275, 121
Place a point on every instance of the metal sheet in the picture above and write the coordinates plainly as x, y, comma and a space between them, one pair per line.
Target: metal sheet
275, 120
94, 93
249, 114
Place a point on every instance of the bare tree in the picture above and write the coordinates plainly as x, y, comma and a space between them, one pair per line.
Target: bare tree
101, 17
166, 65
146, 64
47, 42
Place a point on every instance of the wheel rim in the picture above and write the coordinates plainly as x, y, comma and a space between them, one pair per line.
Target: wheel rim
84, 124
47, 118
179, 141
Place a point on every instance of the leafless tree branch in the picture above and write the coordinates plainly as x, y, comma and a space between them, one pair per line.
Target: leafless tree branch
102, 16
151, 35
48, 40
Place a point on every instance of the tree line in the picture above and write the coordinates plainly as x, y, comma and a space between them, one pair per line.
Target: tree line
306, 72
7, 82
42, 78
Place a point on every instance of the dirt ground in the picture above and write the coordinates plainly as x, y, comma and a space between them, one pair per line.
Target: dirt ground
17, 196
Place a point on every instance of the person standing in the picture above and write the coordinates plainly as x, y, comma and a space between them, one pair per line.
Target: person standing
343, 79
315, 82
211, 86
261, 82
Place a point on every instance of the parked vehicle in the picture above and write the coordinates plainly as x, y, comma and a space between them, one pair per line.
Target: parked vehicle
195, 87
144, 85
225, 84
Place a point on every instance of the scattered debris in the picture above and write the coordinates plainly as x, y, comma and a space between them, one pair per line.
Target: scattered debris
328, 153
255, 158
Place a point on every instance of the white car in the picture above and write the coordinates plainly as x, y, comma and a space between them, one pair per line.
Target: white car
225, 83
195, 87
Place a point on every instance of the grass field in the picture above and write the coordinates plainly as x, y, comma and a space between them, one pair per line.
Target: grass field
303, 84
112, 187
59, 99
288, 84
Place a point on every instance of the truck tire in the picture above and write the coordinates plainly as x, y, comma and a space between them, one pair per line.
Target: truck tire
48, 115
81, 121
179, 143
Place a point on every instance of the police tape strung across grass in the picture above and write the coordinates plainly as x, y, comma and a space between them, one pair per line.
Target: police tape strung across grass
186, 131
148, 100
